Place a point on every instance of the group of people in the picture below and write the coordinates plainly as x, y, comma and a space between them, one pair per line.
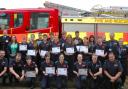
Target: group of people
90, 63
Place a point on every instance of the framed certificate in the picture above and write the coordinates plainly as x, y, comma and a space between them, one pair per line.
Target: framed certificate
30, 74
84, 49
83, 71
43, 52
31, 52
62, 71
70, 50
50, 70
56, 50
22, 47
99, 52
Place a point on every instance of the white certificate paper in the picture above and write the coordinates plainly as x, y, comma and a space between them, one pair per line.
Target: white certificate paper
62, 71
30, 74
84, 49
22, 47
70, 50
83, 72
56, 50
31, 52
50, 70
99, 52
43, 52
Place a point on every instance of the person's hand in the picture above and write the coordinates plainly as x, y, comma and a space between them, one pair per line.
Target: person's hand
113, 79
21, 78
17, 76
77, 74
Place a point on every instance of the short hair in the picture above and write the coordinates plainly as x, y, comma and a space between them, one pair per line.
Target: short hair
76, 31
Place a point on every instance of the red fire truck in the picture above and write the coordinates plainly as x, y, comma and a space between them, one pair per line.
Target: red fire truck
23, 21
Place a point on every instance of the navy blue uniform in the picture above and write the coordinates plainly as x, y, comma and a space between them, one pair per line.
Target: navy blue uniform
46, 80
94, 68
61, 79
112, 68
80, 80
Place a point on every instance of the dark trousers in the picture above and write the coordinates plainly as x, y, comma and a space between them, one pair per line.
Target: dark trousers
61, 82
46, 82
112, 85
81, 82
31, 82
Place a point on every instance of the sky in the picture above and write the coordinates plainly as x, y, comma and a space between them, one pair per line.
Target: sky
81, 4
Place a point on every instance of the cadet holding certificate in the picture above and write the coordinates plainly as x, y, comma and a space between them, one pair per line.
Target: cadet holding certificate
80, 70
61, 71
47, 72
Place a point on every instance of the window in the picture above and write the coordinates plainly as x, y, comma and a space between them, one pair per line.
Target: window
18, 19
4, 21
39, 20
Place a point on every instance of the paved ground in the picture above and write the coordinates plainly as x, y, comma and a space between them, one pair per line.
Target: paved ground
9, 87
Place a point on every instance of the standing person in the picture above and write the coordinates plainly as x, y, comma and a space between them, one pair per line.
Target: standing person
112, 70
55, 49
100, 50
95, 72
77, 40
4, 41
91, 43
123, 55
46, 77
51, 37
81, 72
13, 47
40, 39
3, 67
61, 66
112, 45
30, 71
63, 38
23, 48
16, 69
69, 50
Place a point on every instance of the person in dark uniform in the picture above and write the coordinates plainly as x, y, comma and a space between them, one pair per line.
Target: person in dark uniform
102, 48
61, 79
81, 72
23, 48
46, 77
16, 69
40, 39
44, 47
63, 38
4, 41
112, 45
55, 49
123, 55
3, 66
91, 43
69, 50
30, 71
77, 40
112, 70
95, 72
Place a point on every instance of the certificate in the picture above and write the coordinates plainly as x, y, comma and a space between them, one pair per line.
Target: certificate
50, 70
83, 72
62, 71
70, 50
43, 52
56, 50
22, 47
99, 52
31, 52
30, 74
84, 49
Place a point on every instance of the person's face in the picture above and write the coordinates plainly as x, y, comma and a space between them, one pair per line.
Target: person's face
32, 37
79, 57
2, 54
77, 34
40, 36
45, 38
61, 58
85, 40
69, 39
13, 38
56, 39
24, 39
5, 32
18, 57
47, 58
111, 57
112, 36
99, 41
92, 39
29, 61
94, 58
